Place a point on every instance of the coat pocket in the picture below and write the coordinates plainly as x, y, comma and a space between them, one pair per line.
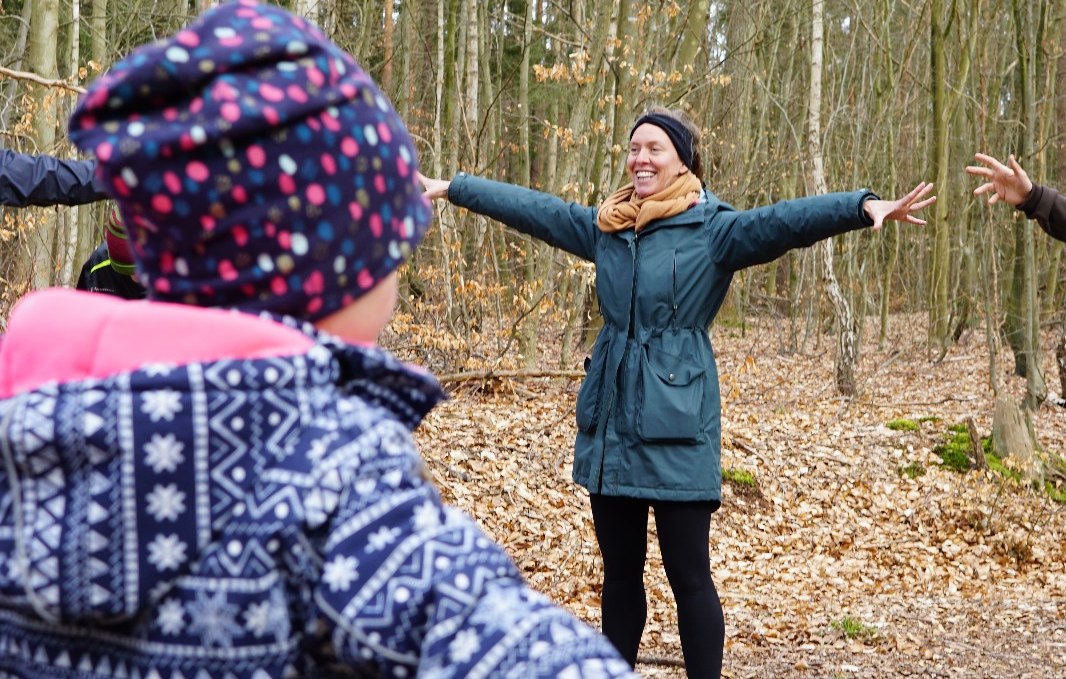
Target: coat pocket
588, 397
672, 390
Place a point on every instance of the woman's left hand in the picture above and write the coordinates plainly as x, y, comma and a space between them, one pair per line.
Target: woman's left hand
900, 209
434, 188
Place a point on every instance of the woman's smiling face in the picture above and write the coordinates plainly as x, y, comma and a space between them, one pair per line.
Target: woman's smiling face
653, 163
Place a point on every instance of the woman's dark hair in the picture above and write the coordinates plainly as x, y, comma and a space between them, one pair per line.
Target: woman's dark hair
693, 130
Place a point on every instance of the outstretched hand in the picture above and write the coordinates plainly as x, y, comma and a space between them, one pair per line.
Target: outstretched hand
1011, 184
900, 209
434, 188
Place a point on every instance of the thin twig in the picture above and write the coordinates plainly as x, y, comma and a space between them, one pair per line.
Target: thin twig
483, 375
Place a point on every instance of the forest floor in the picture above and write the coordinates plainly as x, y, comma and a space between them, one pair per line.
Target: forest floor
835, 564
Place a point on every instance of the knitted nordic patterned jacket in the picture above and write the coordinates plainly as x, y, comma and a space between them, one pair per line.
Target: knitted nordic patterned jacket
190, 493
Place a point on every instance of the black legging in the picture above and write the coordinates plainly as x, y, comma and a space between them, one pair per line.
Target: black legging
683, 528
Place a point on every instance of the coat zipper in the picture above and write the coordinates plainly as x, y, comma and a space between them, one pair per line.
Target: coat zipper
633, 288
625, 360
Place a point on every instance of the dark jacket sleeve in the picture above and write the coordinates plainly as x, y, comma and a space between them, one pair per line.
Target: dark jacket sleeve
1048, 207
740, 239
568, 226
46, 180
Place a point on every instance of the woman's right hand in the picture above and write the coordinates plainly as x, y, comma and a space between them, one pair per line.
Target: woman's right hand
435, 188
1007, 183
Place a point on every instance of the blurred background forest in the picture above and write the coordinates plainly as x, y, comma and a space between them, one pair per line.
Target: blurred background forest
877, 93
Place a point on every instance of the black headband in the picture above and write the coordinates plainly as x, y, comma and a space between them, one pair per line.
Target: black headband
679, 135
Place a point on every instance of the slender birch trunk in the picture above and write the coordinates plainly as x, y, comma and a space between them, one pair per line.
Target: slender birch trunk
846, 338
44, 29
73, 232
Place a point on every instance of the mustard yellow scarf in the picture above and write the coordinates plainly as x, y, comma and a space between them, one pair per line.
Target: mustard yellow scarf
624, 210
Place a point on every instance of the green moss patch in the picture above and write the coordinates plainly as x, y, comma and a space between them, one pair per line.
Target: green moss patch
745, 488
854, 629
955, 455
902, 425
912, 470
955, 452
1056, 492
739, 477
996, 465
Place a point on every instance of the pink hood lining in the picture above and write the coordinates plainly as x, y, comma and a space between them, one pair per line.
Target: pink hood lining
61, 335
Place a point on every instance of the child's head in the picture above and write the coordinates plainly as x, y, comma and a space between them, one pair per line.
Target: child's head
118, 244
256, 166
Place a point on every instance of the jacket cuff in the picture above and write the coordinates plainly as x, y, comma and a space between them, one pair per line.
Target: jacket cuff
455, 187
867, 194
1039, 196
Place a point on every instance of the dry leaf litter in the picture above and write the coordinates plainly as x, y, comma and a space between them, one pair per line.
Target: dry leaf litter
947, 574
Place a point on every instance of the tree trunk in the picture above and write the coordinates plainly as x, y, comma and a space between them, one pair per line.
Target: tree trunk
567, 179
693, 36
74, 216
1048, 64
308, 9
940, 262
444, 66
90, 218
533, 248
845, 359
887, 94
471, 117
453, 67
977, 452
1060, 359
44, 29
9, 87
1035, 388
1012, 436
387, 47
439, 76
406, 98
99, 33
625, 94
1014, 316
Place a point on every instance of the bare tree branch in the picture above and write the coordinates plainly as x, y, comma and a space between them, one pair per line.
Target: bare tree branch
476, 375
33, 77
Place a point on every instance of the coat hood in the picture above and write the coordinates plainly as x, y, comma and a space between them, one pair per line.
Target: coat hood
117, 472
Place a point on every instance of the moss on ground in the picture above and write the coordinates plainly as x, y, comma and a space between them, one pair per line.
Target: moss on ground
955, 452
740, 477
955, 455
912, 470
902, 424
854, 629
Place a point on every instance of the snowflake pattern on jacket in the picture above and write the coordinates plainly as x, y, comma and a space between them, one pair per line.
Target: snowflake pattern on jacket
262, 517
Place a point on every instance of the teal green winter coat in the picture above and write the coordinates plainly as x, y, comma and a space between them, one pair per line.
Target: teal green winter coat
649, 410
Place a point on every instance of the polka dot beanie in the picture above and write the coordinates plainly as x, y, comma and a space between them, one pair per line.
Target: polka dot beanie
255, 165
